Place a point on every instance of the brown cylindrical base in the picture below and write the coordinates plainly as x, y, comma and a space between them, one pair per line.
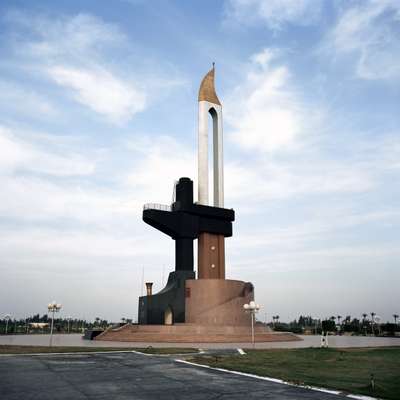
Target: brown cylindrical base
211, 256
217, 302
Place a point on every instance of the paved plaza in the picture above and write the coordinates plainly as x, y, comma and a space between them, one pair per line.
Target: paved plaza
306, 341
131, 376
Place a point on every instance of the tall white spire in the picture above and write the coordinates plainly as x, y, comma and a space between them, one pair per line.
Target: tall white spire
210, 104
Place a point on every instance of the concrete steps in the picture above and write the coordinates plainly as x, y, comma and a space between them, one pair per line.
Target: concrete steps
186, 333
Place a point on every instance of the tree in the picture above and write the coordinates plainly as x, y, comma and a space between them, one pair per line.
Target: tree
395, 316
364, 316
329, 325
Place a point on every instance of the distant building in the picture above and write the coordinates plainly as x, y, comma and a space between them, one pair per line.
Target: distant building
38, 325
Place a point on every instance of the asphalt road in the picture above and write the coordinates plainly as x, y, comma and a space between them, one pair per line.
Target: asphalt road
123, 376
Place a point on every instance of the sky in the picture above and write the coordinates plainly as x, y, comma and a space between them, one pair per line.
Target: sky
98, 116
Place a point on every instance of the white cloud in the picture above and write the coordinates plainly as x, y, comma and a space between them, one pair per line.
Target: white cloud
153, 176
370, 33
75, 37
284, 142
101, 91
24, 101
36, 184
274, 13
12, 153
74, 52
264, 110
280, 180
18, 154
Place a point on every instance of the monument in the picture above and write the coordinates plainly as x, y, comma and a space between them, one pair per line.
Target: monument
208, 308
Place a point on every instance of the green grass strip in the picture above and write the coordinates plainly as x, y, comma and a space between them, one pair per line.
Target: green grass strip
347, 370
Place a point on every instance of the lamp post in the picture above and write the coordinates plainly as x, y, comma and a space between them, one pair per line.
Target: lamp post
68, 321
372, 322
7, 317
53, 308
252, 308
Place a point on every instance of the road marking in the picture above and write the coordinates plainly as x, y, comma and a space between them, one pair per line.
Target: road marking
76, 353
168, 355
282, 382
143, 354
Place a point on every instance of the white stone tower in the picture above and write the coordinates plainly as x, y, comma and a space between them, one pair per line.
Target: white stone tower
210, 104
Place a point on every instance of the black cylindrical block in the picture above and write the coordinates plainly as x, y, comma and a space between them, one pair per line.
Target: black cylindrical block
184, 254
184, 192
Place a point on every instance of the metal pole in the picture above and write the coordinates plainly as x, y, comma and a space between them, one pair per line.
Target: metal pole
68, 325
51, 329
141, 291
252, 328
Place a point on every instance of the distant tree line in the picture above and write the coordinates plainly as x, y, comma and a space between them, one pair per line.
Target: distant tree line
37, 324
366, 325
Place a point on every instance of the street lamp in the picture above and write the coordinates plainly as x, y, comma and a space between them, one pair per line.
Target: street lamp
7, 317
68, 319
252, 308
53, 308
316, 326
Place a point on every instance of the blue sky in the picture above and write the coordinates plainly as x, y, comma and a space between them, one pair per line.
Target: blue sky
98, 115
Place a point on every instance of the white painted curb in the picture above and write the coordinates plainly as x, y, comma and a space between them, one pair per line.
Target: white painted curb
97, 352
275, 380
67, 354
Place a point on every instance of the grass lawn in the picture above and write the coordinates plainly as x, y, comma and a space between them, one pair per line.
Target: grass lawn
11, 349
348, 370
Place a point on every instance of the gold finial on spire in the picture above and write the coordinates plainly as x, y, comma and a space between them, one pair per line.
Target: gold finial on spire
207, 89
